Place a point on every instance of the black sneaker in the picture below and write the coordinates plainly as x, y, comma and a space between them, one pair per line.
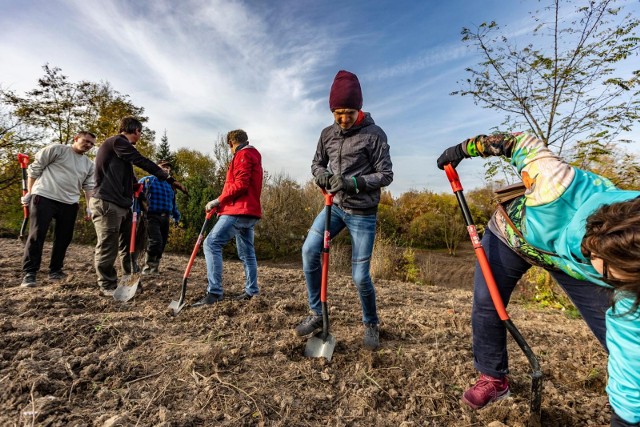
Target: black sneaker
309, 325
207, 300
57, 275
29, 281
242, 297
371, 336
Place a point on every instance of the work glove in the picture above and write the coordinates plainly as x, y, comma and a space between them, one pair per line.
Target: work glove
212, 205
348, 185
322, 180
26, 199
453, 155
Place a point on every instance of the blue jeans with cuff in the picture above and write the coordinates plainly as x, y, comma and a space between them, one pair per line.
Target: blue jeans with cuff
362, 229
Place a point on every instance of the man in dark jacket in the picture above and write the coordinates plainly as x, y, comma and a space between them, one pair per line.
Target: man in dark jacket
239, 210
352, 160
113, 196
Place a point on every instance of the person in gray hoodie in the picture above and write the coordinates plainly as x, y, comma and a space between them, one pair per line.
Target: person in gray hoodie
352, 161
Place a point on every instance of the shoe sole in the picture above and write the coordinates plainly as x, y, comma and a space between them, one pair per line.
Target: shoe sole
499, 397
28, 285
316, 330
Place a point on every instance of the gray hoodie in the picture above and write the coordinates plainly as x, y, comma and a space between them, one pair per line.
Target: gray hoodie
360, 151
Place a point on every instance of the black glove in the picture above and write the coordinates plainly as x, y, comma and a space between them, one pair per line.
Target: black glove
348, 185
322, 180
453, 155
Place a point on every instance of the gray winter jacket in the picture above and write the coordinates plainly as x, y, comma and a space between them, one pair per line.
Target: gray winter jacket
361, 151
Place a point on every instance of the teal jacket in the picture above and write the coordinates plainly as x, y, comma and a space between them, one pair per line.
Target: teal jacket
551, 217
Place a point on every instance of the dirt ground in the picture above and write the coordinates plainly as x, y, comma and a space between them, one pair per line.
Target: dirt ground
70, 357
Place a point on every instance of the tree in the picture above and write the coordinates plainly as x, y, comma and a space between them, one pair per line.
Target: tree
14, 138
163, 152
568, 88
60, 108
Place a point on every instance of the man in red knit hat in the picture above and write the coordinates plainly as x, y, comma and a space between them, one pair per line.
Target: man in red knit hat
352, 161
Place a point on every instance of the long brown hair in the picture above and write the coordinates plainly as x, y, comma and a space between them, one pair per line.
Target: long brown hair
613, 233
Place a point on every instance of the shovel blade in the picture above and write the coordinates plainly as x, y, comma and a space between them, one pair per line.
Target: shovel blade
317, 347
176, 306
127, 287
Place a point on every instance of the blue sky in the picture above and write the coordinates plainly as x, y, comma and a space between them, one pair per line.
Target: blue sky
202, 68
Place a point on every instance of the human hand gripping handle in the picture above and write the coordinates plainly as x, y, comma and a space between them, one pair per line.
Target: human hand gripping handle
322, 180
212, 205
351, 185
452, 155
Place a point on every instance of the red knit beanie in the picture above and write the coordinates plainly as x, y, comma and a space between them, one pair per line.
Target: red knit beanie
345, 92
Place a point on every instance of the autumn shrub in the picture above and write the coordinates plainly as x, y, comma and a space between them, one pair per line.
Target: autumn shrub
288, 210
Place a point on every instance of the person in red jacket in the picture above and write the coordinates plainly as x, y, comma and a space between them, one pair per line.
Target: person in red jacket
238, 212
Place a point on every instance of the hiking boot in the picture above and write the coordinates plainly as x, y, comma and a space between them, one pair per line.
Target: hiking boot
151, 266
486, 390
242, 297
57, 275
207, 300
29, 280
371, 336
309, 325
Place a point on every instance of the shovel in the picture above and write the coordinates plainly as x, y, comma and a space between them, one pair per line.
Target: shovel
176, 306
128, 284
323, 343
536, 373
23, 159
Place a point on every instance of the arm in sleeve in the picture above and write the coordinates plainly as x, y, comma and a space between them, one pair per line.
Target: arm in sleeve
126, 151
381, 161
320, 162
43, 158
89, 181
545, 175
175, 213
242, 165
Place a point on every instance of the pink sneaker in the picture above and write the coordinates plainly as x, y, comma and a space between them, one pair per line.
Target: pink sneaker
486, 390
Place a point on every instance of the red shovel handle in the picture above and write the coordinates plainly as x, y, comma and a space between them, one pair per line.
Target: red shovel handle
23, 159
456, 186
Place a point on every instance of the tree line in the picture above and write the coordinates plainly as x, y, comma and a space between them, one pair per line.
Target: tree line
58, 108
573, 86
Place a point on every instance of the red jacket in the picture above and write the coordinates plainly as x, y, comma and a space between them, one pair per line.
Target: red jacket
242, 188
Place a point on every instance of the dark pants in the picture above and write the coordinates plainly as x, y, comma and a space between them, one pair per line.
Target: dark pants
489, 332
113, 230
616, 421
41, 212
158, 232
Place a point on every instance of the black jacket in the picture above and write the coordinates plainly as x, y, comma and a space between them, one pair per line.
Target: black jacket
114, 170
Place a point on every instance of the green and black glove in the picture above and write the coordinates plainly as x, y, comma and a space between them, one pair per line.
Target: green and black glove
351, 185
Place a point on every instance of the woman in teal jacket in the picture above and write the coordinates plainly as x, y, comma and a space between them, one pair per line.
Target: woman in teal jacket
586, 233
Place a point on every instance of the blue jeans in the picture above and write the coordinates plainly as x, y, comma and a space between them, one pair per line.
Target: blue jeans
489, 332
226, 228
362, 229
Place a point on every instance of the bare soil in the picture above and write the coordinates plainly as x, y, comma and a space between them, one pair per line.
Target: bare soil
70, 357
